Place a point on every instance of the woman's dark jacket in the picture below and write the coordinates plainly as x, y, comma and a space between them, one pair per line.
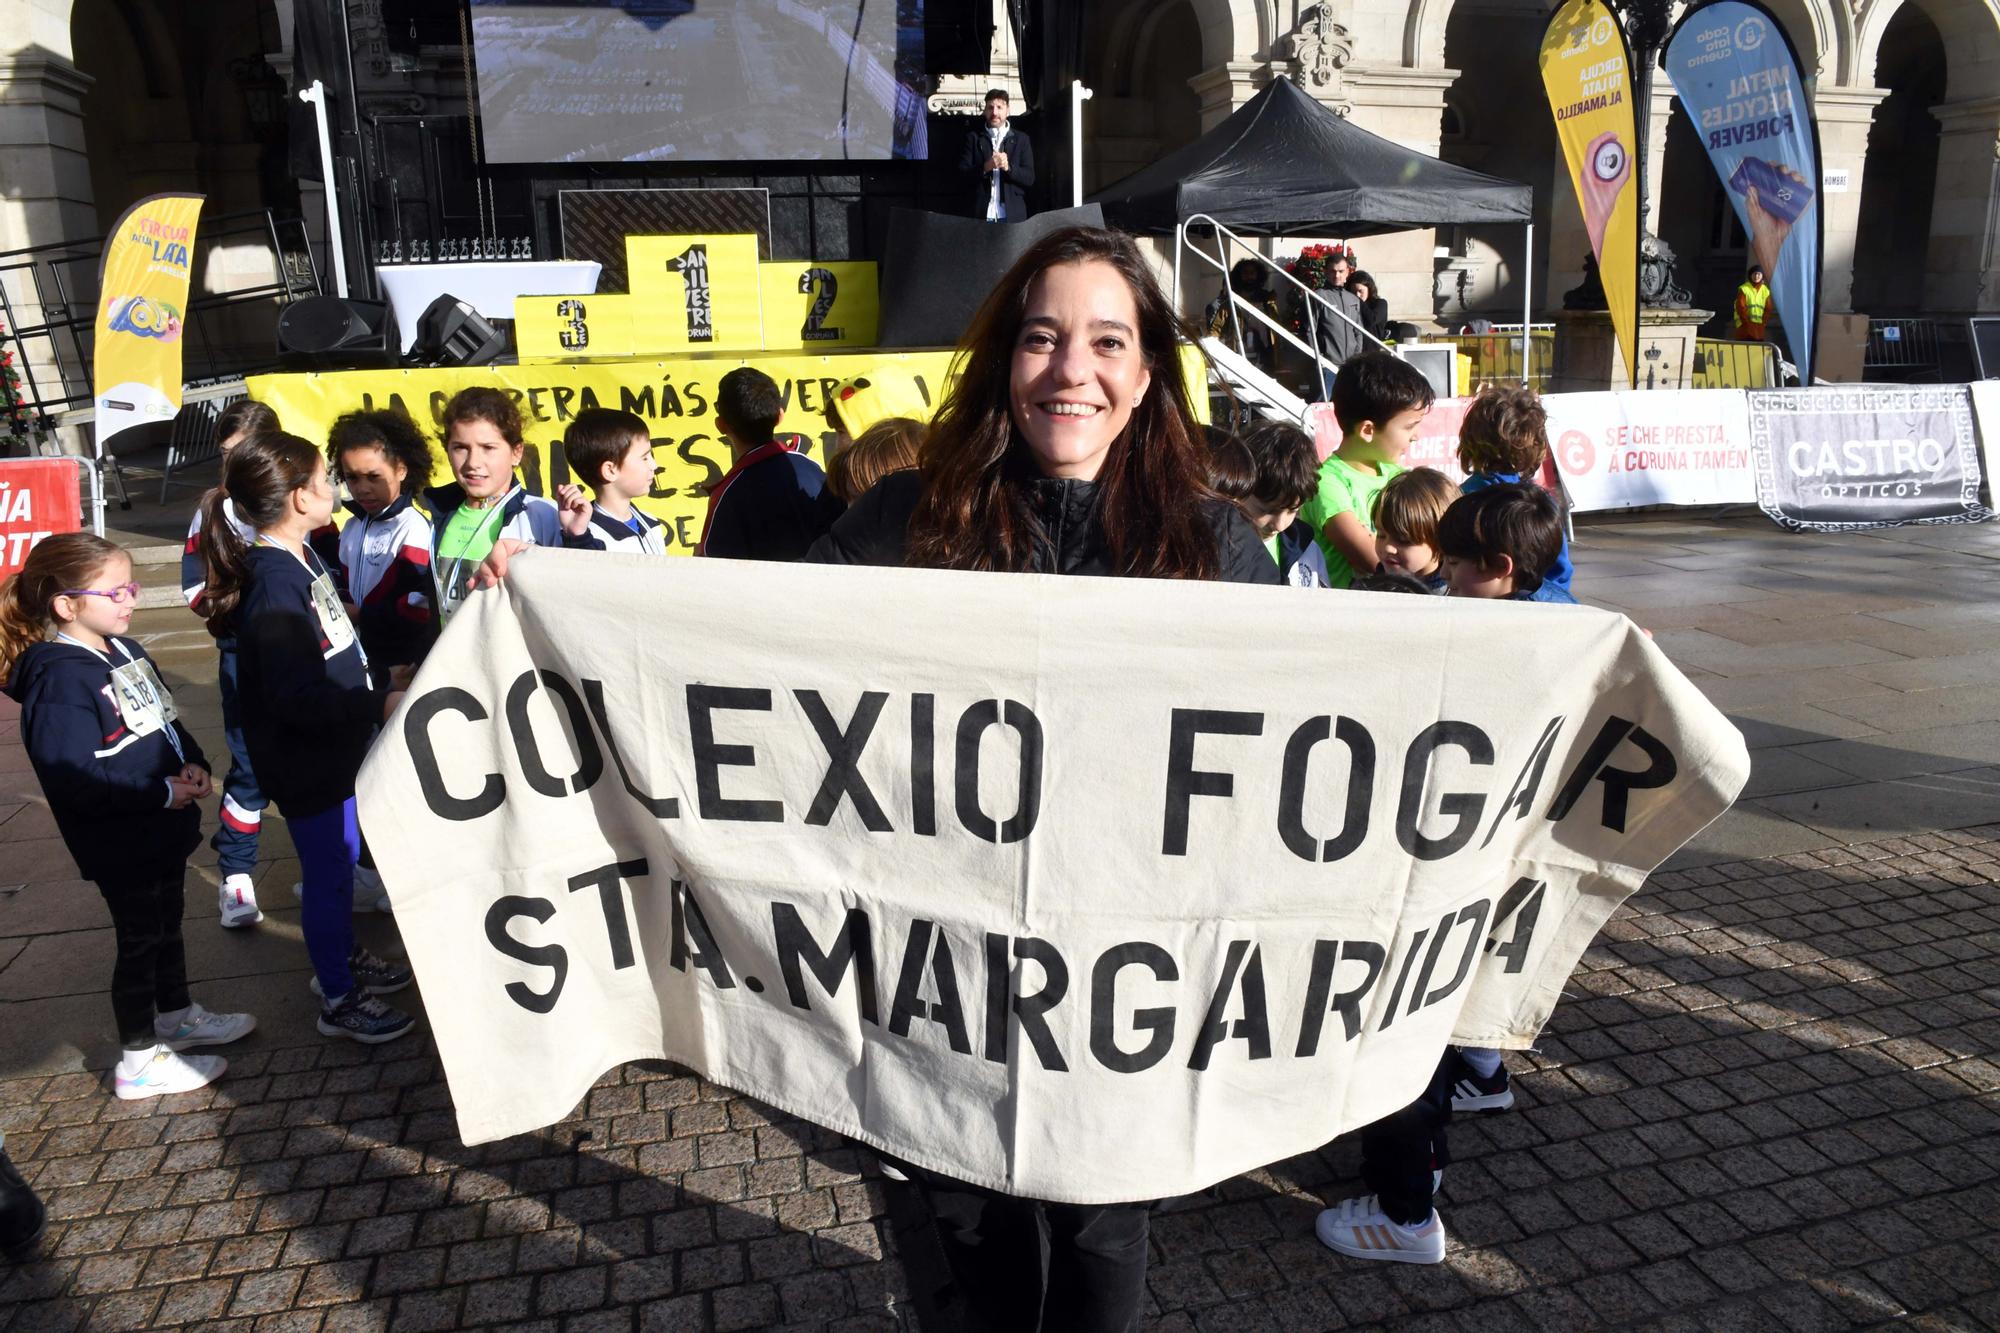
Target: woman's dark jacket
873, 530
1375, 317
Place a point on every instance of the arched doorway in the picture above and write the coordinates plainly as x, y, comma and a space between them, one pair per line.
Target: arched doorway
1496, 120
1140, 57
183, 98
1893, 236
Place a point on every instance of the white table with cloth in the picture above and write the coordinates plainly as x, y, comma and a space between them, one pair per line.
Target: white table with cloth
488, 285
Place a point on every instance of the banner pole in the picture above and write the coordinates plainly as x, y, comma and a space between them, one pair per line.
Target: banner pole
316, 94
1527, 306
97, 487
1078, 95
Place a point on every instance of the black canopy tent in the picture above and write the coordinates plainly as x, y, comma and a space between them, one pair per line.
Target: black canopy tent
1285, 165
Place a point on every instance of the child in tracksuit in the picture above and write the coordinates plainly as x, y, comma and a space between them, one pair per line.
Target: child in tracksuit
1502, 442
381, 561
484, 504
122, 776
384, 550
309, 707
243, 802
612, 453
1406, 517
1268, 470
1494, 542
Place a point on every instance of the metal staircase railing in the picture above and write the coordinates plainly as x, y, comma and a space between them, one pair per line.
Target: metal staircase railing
1226, 362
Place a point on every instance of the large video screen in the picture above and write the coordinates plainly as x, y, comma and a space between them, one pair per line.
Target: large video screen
700, 80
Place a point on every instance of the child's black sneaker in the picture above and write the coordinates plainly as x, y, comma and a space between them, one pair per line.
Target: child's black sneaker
377, 976
23, 1219
361, 1017
1474, 1093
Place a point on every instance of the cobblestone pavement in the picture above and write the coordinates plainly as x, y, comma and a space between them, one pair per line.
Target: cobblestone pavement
1770, 1101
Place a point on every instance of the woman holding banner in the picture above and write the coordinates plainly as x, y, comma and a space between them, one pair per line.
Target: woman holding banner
1068, 446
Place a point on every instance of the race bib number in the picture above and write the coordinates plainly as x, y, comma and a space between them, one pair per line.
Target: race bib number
333, 622
454, 585
143, 702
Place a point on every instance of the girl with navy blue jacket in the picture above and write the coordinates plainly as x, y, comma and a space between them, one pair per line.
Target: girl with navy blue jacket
122, 775
309, 708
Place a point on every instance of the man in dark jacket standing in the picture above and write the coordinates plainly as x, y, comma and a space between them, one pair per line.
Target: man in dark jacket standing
1338, 334
1000, 162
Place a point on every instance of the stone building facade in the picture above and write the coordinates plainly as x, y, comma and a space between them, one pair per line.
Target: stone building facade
102, 101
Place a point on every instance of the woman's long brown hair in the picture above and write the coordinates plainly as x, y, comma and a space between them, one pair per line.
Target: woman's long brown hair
974, 512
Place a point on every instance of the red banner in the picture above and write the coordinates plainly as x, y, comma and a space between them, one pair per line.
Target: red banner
38, 498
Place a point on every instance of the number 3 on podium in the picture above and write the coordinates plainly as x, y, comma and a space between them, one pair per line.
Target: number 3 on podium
568, 327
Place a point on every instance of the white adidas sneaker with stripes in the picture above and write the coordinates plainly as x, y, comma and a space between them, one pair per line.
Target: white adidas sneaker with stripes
1360, 1228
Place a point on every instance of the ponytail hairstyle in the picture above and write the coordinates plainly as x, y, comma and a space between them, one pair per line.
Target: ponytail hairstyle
56, 564
258, 479
975, 511
245, 417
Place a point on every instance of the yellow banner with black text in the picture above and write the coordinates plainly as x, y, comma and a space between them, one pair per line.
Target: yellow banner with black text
676, 399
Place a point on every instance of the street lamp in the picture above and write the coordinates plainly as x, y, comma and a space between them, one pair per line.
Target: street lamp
1647, 24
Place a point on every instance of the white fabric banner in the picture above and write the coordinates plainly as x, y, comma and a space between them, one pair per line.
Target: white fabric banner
1084, 889
1986, 414
1622, 450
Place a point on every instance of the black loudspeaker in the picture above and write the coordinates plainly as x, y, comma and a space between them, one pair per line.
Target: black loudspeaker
332, 333
452, 333
937, 269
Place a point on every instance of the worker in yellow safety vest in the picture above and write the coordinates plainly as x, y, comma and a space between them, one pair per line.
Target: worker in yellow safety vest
1752, 299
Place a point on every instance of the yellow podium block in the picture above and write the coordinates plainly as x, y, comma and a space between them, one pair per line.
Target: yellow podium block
695, 293
811, 306
559, 327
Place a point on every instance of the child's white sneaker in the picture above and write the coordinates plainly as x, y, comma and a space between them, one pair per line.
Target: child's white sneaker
238, 902
196, 1026
167, 1073
370, 893
1360, 1228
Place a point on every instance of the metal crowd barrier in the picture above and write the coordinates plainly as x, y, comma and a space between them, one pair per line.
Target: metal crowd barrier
1725, 363
1901, 349
1495, 358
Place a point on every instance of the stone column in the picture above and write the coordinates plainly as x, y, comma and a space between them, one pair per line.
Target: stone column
1656, 147
1845, 116
1962, 269
1222, 88
1407, 106
47, 196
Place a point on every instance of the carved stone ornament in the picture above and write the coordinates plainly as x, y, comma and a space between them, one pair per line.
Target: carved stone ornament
1319, 47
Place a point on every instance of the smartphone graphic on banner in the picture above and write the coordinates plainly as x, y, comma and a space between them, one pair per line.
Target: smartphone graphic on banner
1780, 195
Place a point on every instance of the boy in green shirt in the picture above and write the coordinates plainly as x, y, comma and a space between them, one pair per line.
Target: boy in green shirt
1379, 401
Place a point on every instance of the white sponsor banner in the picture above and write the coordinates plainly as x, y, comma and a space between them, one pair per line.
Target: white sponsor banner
1085, 889
1839, 457
1622, 450
1986, 415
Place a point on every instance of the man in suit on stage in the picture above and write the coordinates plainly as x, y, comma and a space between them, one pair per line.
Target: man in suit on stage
1001, 161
